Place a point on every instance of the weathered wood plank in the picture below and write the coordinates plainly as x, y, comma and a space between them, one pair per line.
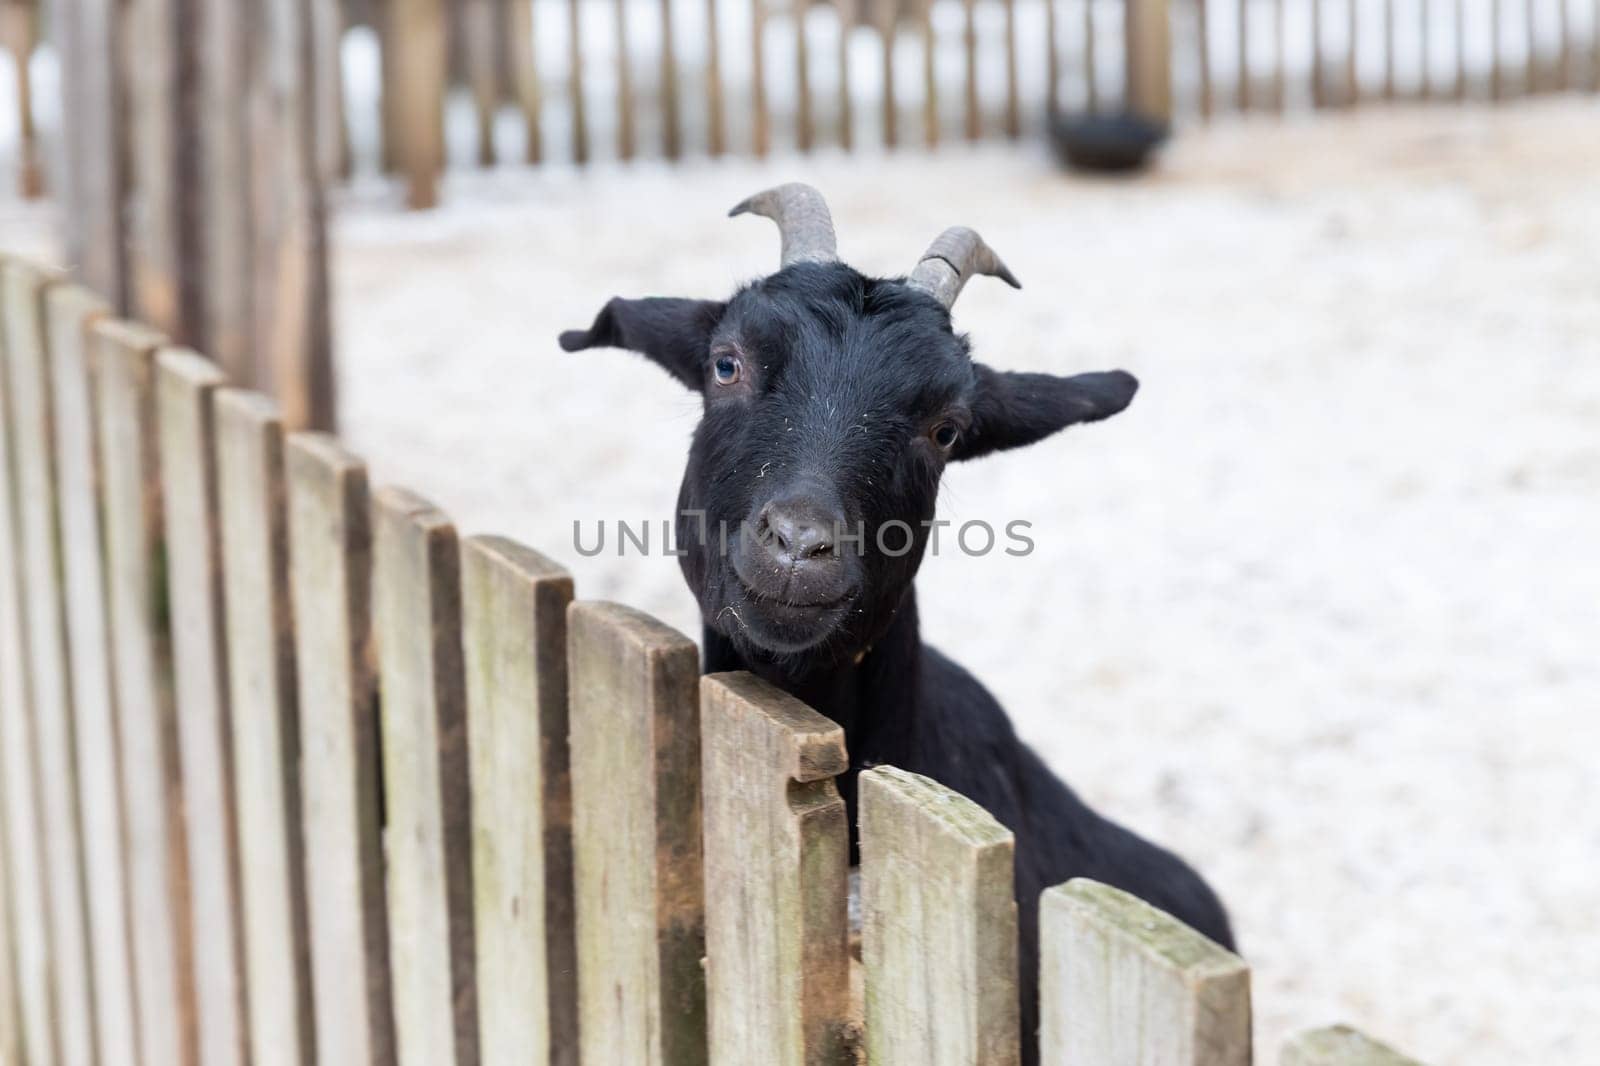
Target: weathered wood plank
330, 577
20, 21
10, 1005
228, 316
1052, 55
716, 118
805, 130
30, 410
939, 926
1149, 54
478, 26
524, 59
1091, 76
514, 634
580, 124
884, 17
777, 855
94, 172
1319, 61
292, 343
266, 731
1340, 1045
141, 655
419, 48
969, 47
1013, 101
760, 120
154, 109
671, 119
185, 383
636, 838
26, 868
846, 10
1121, 981
930, 81
1244, 87
72, 313
624, 71
417, 621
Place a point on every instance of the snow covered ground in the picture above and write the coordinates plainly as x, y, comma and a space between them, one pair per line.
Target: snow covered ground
1319, 610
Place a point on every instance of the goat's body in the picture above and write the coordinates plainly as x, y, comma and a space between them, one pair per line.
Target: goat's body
907, 705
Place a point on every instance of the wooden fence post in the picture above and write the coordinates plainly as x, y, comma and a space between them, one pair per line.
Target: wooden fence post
635, 729
94, 173
514, 634
776, 864
417, 44
525, 73
939, 926
185, 383
30, 411
152, 799
222, 60
1339, 1045
73, 312
417, 618
21, 34
1149, 52
330, 567
10, 1005
266, 729
1121, 981
24, 837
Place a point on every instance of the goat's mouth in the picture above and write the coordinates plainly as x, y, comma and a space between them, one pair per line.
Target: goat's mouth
780, 625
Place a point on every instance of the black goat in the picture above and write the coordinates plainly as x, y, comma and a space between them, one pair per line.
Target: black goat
833, 402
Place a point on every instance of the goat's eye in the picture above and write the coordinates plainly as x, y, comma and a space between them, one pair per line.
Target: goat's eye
945, 435
727, 369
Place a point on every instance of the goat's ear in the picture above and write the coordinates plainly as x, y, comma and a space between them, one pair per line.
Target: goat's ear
1013, 409
672, 333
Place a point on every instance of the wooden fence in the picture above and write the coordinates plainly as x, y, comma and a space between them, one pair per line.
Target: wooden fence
574, 79
292, 774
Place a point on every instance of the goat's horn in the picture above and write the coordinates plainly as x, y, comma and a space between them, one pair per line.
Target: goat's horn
950, 260
802, 218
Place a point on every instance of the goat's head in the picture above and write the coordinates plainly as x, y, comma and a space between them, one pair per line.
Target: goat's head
832, 402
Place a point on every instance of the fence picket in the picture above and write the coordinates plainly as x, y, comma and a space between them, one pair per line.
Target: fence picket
634, 721
152, 801
939, 926
803, 127
1340, 1045
479, 40
716, 122
969, 48
330, 573
776, 866
416, 43
524, 53
885, 15
10, 1004
1013, 102
185, 384
846, 10
1121, 981
930, 81
265, 720
26, 869
671, 119
624, 72
580, 125
760, 121
30, 410
514, 622
72, 312
20, 22
417, 621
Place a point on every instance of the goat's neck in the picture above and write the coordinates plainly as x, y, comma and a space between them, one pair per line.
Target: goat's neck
873, 696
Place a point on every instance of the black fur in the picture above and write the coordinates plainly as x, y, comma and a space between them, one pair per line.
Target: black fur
844, 381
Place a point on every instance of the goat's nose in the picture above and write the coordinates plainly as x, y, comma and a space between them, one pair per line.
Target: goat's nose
799, 529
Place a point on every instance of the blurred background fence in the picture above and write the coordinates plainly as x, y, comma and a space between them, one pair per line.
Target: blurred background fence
198, 138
